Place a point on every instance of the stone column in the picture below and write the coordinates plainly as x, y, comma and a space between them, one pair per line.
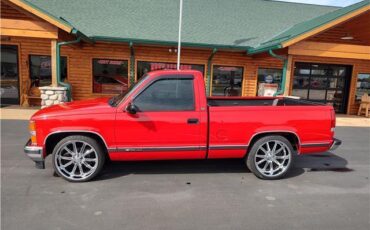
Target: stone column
51, 95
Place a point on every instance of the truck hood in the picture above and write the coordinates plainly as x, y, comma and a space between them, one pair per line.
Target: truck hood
91, 106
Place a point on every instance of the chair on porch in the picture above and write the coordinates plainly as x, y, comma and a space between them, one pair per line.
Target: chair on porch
30, 95
364, 105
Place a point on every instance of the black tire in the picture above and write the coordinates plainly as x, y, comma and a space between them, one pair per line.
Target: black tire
285, 161
92, 144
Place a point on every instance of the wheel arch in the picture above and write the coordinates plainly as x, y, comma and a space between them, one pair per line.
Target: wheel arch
53, 138
291, 136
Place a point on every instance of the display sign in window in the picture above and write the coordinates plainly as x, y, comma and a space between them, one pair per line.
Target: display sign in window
269, 81
144, 67
227, 81
110, 76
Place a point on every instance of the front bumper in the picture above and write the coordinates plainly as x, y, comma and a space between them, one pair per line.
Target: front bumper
336, 143
36, 154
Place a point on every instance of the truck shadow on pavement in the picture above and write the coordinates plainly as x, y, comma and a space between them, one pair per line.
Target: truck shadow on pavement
302, 164
322, 162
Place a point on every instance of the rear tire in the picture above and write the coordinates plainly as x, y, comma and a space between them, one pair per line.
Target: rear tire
270, 157
78, 158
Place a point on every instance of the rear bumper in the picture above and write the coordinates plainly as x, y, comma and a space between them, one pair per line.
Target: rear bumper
36, 154
336, 143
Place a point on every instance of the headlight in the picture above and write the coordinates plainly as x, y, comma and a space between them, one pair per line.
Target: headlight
32, 129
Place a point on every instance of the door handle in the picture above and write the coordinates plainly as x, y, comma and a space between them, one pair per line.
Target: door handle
193, 121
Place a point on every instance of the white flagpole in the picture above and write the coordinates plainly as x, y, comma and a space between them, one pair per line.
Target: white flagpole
179, 42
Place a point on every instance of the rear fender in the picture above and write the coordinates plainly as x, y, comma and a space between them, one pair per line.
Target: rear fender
276, 131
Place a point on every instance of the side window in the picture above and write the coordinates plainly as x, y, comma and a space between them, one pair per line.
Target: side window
167, 95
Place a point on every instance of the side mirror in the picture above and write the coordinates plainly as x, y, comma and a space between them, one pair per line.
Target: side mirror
131, 108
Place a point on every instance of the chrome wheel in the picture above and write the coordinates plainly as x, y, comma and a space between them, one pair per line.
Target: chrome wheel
272, 158
76, 160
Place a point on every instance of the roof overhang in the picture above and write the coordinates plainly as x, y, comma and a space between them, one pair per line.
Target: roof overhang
329, 20
61, 24
325, 26
169, 43
53, 20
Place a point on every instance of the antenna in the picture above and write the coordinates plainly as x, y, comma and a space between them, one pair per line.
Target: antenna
179, 41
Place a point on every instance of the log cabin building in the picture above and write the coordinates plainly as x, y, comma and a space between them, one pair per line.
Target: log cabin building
244, 48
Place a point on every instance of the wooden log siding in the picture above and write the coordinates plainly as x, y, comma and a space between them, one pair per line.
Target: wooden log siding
334, 50
8, 11
79, 63
358, 66
28, 28
200, 56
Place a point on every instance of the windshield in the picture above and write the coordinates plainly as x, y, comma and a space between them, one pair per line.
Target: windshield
114, 101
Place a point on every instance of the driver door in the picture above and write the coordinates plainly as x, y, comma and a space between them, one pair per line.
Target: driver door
167, 123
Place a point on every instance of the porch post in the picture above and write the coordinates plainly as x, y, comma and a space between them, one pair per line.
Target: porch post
54, 57
288, 75
209, 69
132, 64
53, 95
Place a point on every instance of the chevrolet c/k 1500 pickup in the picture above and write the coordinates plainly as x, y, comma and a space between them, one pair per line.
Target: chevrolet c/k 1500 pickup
167, 116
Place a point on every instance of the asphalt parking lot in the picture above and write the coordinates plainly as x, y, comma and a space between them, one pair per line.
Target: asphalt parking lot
326, 191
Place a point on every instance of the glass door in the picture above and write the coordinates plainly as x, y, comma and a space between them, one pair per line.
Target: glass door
9, 80
324, 83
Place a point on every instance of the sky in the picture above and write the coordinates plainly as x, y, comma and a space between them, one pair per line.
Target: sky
326, 2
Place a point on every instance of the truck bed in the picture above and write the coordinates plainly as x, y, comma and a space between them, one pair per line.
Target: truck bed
235, 121
258, 101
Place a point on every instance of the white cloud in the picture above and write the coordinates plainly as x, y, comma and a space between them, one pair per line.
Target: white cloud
325, 2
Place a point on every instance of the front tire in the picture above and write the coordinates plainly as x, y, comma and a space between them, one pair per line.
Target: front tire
270, 157
78, 158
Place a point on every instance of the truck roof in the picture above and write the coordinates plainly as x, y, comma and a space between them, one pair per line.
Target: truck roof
156, 73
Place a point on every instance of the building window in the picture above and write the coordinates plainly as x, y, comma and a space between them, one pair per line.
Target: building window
227, 81
110, 76
144, 67
40, 70
363, 85
270, 78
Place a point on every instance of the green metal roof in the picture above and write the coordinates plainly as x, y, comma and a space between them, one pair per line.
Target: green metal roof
306, 26
239, 24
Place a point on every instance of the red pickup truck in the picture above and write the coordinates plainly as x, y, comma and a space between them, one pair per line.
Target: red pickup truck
167, 116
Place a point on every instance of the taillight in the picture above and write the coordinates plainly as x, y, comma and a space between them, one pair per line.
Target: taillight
32, 129
332, 120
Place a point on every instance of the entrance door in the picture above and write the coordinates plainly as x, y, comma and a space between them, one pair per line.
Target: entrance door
9, 75
324, 83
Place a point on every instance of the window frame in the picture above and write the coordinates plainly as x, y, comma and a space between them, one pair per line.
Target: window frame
356, 88
171, 77
211, 77
110, 59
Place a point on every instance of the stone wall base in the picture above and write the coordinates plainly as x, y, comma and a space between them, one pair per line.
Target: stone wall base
51, 95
